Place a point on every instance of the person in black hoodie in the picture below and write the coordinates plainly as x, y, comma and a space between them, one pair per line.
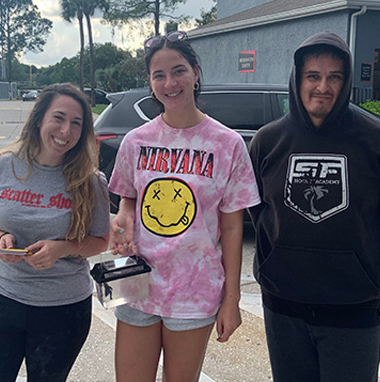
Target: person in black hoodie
318, 226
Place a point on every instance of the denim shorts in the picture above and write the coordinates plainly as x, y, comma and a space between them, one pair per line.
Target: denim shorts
135, 317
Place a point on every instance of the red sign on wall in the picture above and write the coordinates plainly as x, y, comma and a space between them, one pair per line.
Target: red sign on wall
247, 61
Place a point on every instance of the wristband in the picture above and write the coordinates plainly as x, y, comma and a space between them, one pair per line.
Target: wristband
3, 234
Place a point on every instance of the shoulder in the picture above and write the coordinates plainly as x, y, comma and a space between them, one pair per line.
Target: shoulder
269, 132
272, 127
6, 157
99, 179
218, 130
6, 160
144, 129
361, 119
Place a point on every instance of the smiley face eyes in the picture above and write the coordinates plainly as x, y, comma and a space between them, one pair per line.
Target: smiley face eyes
177, 194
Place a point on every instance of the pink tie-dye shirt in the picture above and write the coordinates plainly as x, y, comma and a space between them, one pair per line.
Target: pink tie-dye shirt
181, 180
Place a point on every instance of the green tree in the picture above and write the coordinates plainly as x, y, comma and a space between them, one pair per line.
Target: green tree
89, 7
118, 69
21, 29
86, 9
70, 10
107, 54
120, 12
22, 72
207, 17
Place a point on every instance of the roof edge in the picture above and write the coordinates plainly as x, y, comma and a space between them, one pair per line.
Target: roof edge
313, 10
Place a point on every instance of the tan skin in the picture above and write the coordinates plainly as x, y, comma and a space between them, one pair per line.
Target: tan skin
322, 80
60, 131
172, 80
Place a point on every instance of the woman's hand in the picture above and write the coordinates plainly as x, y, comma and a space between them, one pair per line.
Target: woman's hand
8, 241
228, 320
122, 228
47, 252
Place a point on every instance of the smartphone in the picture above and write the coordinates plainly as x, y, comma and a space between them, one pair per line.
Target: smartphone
14, 251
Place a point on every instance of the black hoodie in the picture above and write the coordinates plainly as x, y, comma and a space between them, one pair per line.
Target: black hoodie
318, 227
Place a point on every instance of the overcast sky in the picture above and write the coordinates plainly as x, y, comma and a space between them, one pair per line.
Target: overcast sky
63, 40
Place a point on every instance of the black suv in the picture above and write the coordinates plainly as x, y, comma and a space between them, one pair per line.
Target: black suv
242, 107
100, 96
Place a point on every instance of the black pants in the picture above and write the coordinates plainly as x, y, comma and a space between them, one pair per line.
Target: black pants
300, 352
49, 338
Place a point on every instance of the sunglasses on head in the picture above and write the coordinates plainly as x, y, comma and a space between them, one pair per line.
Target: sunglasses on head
172, 37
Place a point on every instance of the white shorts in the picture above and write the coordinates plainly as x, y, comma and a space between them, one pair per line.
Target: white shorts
136, 317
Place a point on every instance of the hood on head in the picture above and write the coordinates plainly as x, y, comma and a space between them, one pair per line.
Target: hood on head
295, 104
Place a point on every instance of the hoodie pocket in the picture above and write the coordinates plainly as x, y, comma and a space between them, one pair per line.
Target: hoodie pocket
316, 276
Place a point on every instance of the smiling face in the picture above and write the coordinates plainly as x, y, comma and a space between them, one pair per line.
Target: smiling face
322, 79
60, 130
172, 80
168, 207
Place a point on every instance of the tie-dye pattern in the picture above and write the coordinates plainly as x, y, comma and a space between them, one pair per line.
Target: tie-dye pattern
187, 276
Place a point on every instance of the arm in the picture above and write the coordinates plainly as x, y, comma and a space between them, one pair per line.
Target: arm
47, 252
122, 227
229, 318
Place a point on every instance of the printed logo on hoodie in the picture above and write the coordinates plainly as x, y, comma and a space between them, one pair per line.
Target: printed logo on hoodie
317, 185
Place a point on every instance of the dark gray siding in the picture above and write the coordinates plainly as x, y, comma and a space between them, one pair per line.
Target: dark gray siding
274, 44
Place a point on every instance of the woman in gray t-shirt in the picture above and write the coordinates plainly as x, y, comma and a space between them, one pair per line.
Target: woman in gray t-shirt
54, 205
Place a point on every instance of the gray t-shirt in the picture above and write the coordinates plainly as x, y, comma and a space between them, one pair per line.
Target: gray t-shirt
40, 209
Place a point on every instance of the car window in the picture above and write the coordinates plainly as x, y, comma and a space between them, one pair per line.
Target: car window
238, 111
283, 102
148, 108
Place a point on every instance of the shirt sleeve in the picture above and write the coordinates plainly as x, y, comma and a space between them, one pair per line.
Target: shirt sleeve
241, 190
122, 178
101, 210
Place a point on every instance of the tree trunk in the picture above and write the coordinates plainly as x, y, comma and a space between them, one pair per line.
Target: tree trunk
157, 17
92, 71
81, 54
9, 55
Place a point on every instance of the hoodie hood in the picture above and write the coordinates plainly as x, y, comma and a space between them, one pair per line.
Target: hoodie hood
296, 109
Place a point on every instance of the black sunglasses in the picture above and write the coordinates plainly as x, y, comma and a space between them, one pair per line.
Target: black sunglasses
175, 36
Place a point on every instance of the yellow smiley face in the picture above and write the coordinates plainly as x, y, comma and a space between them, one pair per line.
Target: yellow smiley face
168, 207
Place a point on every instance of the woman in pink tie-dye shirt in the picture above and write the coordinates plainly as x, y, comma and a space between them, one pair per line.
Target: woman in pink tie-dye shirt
184, 181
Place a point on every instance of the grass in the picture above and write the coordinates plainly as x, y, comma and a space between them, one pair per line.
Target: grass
98, 109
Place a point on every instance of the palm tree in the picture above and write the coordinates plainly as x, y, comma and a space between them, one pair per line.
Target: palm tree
89, 7
312, 194
86, 8
71, 9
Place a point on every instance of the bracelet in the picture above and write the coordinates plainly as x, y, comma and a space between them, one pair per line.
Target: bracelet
4, 233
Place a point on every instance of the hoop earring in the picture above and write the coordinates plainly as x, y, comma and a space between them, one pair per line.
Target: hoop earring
153, 95
196, 86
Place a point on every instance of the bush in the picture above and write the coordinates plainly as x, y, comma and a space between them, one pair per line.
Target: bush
372, 106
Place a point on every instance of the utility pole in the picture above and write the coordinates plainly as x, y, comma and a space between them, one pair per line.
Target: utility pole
2, 37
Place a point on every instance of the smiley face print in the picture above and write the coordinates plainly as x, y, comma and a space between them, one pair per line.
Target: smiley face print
168, 207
